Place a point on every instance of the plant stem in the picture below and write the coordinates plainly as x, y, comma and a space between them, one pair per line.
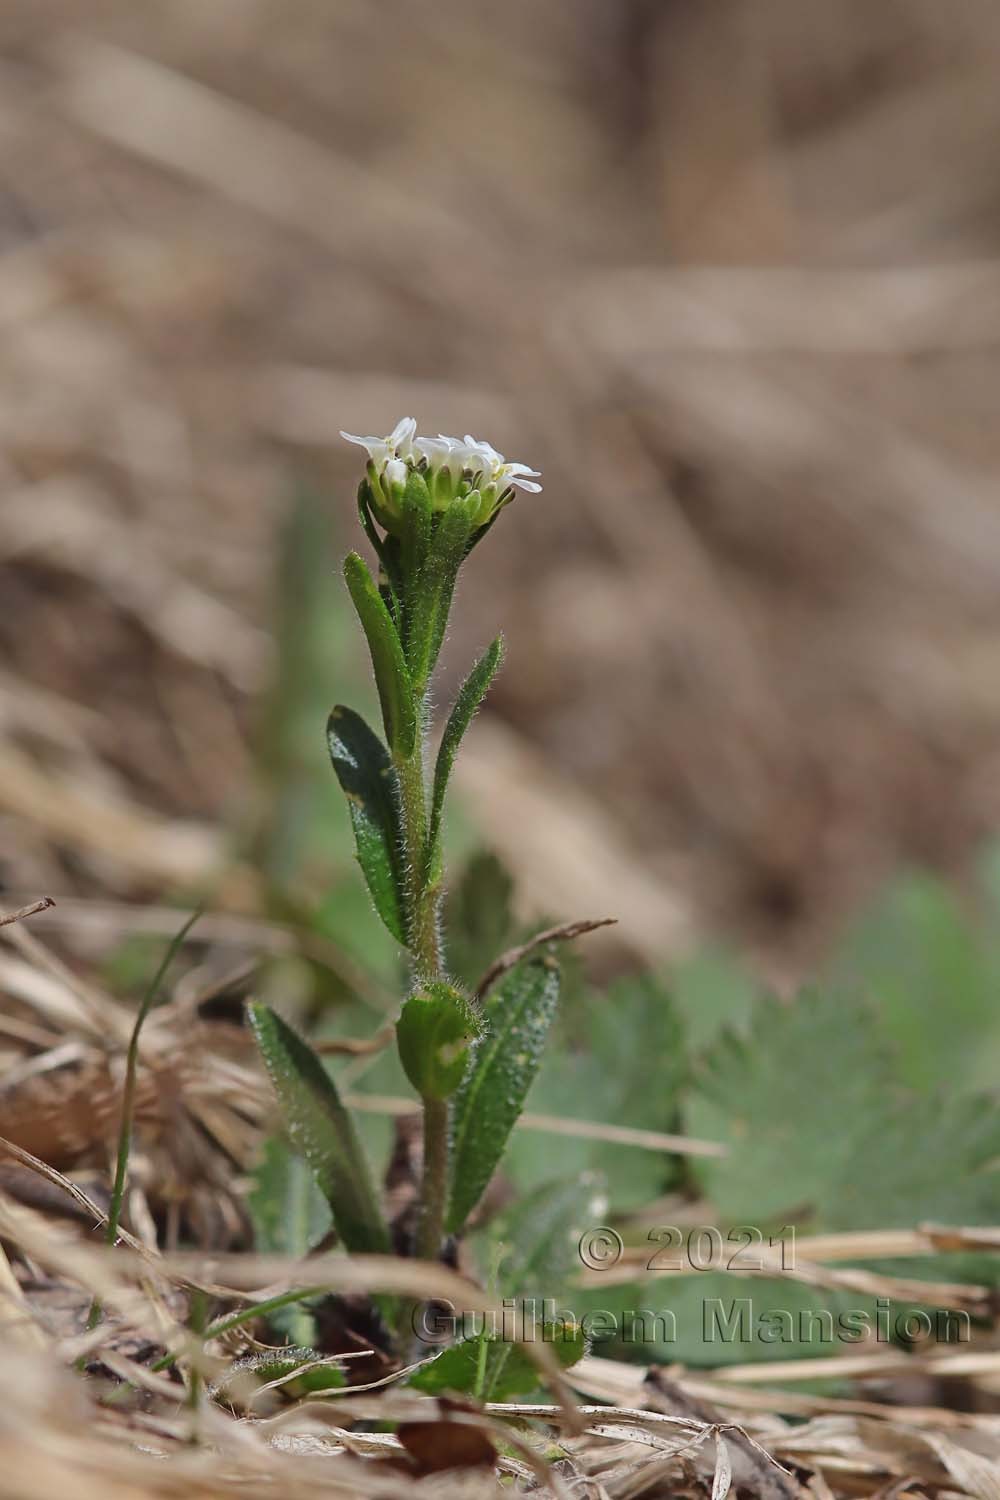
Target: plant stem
427, 963
434, 1187
422, 925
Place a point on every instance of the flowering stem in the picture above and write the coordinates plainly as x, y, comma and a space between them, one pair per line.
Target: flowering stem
427, 964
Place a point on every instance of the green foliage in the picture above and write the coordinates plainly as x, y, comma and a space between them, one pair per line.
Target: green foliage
470, 697
933, 975
434, 1032
290, 1216
492, 1368
433, 590
368, 781
395, 690
791, 1101
517, 1018
478, 918
321, 1130
620, 1060
534, 1245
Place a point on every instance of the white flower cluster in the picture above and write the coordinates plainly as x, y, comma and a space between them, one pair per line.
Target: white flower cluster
467, 461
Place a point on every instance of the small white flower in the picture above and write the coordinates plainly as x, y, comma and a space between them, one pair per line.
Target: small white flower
498, 471
452, 468
382, 450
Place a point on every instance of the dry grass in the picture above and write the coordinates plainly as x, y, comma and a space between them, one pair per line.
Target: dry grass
729, 274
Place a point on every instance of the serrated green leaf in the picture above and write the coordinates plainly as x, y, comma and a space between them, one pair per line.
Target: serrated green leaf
321, 1129
791, 1102
470, 696
435, 588
368, 781
392, 678
517, 1019
496, 1369
936, 977
434, 1033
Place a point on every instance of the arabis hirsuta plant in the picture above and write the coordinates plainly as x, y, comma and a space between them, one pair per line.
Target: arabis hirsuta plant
424, 503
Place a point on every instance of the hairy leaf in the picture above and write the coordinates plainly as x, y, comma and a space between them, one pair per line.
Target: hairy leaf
434, 1032
321, 1130
435, 590
497, 1369
368, 780
517, 1017
392, 678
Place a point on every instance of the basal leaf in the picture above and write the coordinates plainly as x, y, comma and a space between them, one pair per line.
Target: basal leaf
391, 675
368, 780
517, 1019
289, 1213
497, 1369
321, 1130
470, 696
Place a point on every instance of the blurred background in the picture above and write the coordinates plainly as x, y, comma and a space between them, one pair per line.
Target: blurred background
727, 274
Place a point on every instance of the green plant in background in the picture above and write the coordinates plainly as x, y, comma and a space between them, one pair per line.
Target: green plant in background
424, 505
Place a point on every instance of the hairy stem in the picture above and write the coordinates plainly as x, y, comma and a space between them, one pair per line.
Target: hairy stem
427, 964
434, 1187
421, 899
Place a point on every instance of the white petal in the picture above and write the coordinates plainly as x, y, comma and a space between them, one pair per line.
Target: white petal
402, 434
527, 484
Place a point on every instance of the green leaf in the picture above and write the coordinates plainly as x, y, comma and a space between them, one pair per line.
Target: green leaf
289, 1216
792, 1102
470, 696
261, 1369
619, 1059
392, 678
321, 1130
538, 1239
287, 1209
368, 780
936, 977
478, 917
434, 1032
435, 588
497, 1369
517, 1017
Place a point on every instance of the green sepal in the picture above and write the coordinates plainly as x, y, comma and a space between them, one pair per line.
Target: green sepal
435, 587
517, 1017
368, 781
435, 1032
386, 550
321, 1130
495, 1368
395, 689
470, 696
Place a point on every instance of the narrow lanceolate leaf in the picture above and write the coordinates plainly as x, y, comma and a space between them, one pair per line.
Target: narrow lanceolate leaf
435, 590
321, 1130
517, 1018
392, 679
471, 695
368, 781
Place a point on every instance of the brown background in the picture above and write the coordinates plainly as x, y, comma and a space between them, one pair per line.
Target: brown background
727, 273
